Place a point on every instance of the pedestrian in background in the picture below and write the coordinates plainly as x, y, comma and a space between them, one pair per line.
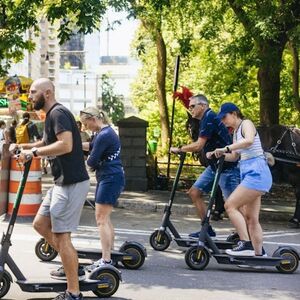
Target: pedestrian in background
84, 137
60, 211
27, 131
105, 160
243, 205
2, 135
212, 134
10, 132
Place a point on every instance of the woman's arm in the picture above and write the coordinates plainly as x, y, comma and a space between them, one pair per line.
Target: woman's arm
96, 156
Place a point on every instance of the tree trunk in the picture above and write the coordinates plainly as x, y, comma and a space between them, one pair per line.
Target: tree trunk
295, 75
161, 88
270, 54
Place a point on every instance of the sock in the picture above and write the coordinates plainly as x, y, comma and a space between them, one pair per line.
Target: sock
74, 296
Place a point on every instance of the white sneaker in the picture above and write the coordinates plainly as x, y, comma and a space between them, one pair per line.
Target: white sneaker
99, 263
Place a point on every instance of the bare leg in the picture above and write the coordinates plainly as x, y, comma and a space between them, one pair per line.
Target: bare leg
42, 225
69, 260
250, 199
197, 198
255, 230
102, 213
112, 232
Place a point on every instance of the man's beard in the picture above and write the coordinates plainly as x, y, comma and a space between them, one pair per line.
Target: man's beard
39, 103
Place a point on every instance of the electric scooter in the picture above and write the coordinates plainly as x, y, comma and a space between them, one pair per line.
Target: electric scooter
285, 258
103, 281
131, 254
161, 238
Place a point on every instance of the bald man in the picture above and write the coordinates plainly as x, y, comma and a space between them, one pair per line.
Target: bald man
61, 208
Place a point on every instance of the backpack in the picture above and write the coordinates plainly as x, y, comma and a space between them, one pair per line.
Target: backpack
22, 135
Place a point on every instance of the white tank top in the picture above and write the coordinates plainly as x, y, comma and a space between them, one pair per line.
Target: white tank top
253, 150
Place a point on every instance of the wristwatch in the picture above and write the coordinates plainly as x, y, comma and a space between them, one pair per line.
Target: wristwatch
227, 149
34, 151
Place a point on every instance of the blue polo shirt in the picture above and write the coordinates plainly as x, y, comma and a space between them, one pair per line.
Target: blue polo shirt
216, 133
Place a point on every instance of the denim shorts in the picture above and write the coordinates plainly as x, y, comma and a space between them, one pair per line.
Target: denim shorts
109, 188
63, 204
255, 174
229, 180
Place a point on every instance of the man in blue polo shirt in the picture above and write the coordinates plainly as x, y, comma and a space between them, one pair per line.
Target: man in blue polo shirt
212, 134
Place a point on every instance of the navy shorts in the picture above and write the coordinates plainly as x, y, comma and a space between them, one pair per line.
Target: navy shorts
229, 180
109, 188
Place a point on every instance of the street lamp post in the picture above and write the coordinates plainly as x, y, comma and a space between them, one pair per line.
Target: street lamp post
84, 89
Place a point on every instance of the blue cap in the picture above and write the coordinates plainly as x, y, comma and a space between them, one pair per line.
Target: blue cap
226, 108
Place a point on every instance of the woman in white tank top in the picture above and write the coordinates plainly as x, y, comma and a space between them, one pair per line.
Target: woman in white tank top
243, 205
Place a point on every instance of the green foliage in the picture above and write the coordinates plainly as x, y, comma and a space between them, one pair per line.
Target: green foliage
18, 16
219, 57
112, 104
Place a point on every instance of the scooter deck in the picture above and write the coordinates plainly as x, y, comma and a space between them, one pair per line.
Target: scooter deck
186, 242
189, 242
96, 254
40, 286
248, 260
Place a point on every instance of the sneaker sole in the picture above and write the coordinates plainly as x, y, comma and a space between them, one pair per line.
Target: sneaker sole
80, 278
241, 253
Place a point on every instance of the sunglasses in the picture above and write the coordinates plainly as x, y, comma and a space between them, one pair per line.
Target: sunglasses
192, 106
83, 113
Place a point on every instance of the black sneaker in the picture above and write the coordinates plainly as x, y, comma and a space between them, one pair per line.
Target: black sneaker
294, 223
263, 253
243, 248
196, 234
61, 275
68, 296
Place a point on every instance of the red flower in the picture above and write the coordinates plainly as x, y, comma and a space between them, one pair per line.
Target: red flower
183, 96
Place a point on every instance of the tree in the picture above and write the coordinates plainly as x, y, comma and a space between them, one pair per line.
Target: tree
112, 104
269, 24
159, 18
17, 16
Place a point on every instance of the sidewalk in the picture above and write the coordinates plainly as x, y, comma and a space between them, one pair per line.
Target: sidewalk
278, 206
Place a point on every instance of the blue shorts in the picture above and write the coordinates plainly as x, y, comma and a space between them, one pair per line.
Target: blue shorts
109, 188
255, 174
229, 180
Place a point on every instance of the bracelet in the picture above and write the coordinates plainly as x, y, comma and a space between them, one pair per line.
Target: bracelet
227, 149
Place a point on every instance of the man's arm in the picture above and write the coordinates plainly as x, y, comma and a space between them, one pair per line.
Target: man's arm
63, 145
31, 145
193, 147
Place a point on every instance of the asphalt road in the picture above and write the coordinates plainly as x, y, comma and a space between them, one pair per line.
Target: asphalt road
165, 274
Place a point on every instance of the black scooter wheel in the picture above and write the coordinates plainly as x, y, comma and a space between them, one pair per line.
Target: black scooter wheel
44, 251
289, 263
110, 282
137, 257
4, 285
197, 259
159, 241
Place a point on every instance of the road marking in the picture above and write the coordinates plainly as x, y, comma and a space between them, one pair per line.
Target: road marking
81, 238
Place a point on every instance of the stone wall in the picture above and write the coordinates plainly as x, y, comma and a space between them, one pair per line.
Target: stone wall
132, 132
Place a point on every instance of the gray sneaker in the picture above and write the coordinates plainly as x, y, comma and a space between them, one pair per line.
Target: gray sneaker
67, 296
99, 263
61, 275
